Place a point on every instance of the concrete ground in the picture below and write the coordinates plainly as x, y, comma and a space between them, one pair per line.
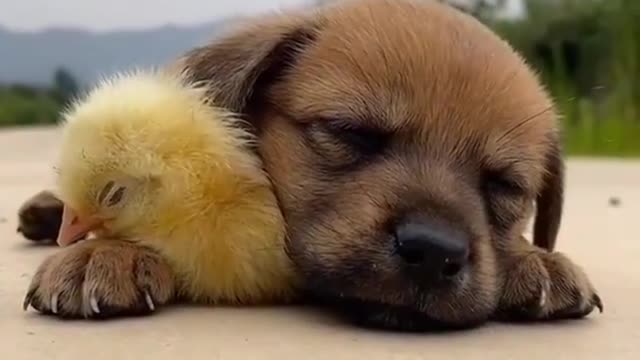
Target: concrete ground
601, 237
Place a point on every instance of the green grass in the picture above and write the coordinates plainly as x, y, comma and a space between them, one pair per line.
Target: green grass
613, 138
25, 106
599, 96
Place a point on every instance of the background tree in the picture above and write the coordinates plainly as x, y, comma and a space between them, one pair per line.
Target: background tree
65, 86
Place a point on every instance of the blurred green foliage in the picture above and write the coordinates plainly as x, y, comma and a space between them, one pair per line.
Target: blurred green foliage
30, 105
588, 54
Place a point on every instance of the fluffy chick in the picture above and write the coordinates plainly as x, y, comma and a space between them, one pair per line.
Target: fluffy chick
145, 158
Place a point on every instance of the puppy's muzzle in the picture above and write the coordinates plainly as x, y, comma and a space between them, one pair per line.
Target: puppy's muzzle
432, 253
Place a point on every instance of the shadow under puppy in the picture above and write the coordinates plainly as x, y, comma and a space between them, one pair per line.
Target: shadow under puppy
408, 147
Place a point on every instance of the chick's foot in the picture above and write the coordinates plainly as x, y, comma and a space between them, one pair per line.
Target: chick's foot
101, 278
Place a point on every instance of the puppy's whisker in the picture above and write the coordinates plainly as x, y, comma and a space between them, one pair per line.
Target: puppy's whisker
525, 121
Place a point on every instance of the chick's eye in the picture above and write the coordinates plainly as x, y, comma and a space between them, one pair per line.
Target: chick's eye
111, 194
116, 196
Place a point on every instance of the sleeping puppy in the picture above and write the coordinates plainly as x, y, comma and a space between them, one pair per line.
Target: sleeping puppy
408, 146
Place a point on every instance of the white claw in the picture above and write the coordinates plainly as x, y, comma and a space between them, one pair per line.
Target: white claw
94, 305
543, 298
54, 303
150, 304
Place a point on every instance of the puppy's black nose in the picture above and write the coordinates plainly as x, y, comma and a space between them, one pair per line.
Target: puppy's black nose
438, 253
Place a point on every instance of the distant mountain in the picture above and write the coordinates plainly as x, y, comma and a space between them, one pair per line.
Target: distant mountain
32, 57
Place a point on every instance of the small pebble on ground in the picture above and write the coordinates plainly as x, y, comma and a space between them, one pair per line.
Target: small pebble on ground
614, 201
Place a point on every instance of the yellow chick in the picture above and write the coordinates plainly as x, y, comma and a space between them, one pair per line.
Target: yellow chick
144, 157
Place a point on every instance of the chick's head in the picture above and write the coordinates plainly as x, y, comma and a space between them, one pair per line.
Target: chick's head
137, 146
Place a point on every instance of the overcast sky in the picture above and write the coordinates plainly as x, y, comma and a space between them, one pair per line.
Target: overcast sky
118, 14
134, 14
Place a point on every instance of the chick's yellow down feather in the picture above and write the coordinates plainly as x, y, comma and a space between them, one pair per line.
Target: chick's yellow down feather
146, 154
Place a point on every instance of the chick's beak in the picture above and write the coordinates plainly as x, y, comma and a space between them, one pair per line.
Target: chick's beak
74, 228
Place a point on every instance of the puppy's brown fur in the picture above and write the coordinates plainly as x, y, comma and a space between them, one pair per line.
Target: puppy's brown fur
370, 113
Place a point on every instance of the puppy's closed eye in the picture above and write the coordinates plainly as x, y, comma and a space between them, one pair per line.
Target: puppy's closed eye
501, 182
506, 195
345, 143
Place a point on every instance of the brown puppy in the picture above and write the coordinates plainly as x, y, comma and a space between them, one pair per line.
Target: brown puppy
408, 146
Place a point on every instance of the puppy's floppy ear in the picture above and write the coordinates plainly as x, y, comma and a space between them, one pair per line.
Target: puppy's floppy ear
550, 200
238, 66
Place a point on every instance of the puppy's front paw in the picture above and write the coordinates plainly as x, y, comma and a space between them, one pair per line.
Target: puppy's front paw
101, 278
546, 286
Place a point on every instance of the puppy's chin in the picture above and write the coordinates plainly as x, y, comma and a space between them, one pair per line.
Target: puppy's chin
379, 292
398, 318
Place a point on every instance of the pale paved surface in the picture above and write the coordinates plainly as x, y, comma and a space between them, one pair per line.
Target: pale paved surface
604, 239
